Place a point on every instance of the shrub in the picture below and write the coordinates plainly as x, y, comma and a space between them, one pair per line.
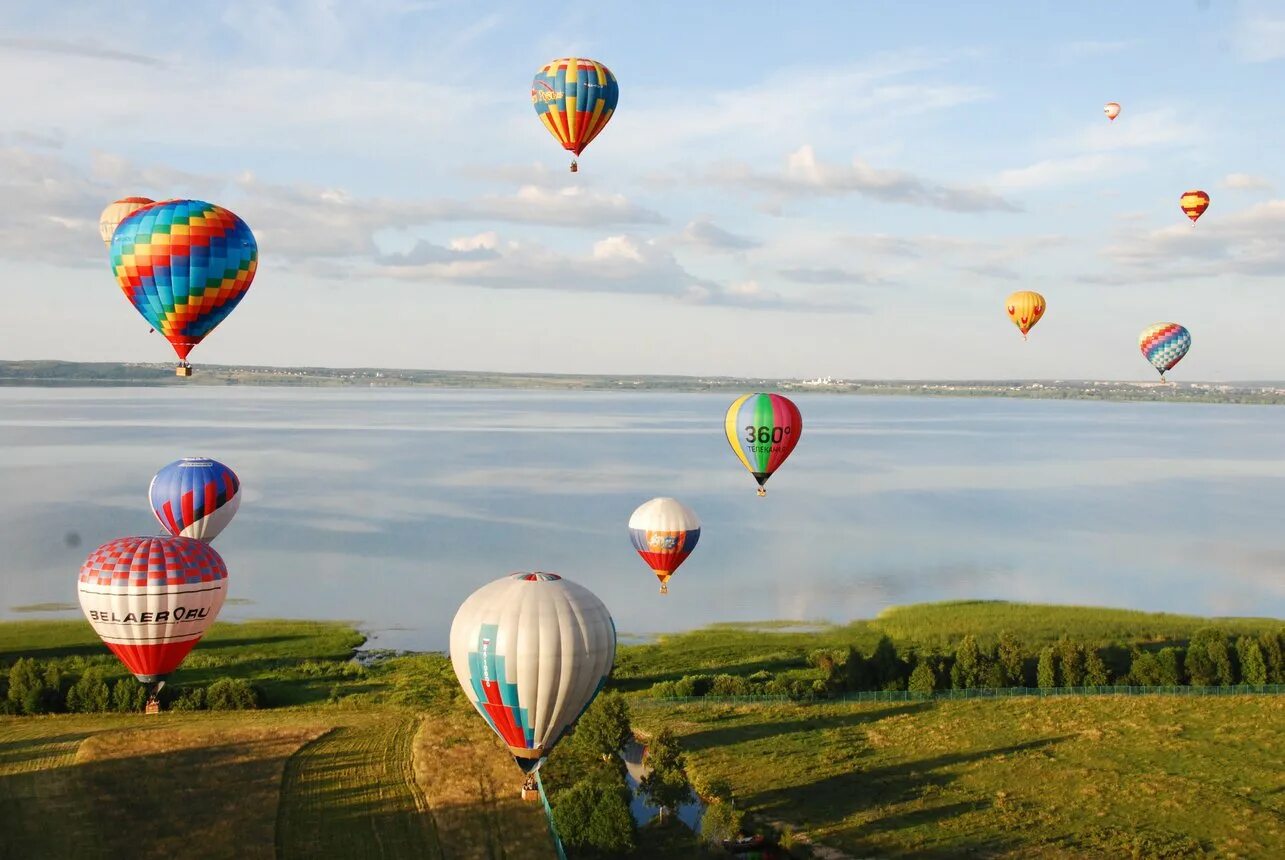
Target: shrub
1253, 668
1095, 671
604, 728
89, 695
1046, 671
1011, 660
1170, 662
128, 696
664, 690
231, 694
730, 685
923, 679
190, 699
722, 820
692, 685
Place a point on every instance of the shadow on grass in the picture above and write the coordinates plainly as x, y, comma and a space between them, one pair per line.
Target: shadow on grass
737, 734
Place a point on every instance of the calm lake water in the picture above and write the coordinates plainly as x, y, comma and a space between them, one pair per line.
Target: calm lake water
388, 507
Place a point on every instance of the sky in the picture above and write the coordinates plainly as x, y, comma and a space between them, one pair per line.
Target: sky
847, 189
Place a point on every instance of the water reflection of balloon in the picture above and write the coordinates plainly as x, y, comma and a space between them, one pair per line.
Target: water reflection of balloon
762, 430
575, 98
531, 651
151, 599
118, 212
1025, 308
195, 497
1194, 204
1164, 345
184, 265
664, 531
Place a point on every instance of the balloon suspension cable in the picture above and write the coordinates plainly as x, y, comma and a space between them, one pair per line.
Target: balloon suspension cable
762, 491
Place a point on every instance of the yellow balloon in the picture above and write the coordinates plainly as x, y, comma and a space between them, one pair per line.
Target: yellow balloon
1025, 308
116, 213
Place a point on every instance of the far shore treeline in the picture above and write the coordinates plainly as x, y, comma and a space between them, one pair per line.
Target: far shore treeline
57, 666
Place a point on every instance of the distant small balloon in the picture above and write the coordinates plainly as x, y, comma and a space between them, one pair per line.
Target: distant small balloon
1194, 204
664, 531
1164, 345
118, 212
1112, 110
1025, 308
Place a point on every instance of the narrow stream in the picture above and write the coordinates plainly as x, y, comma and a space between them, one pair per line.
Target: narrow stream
643, 812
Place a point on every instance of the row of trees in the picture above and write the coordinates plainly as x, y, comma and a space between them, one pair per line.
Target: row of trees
1210, 658
35, 689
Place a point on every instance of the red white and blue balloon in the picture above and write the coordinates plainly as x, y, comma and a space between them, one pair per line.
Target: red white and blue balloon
195, 497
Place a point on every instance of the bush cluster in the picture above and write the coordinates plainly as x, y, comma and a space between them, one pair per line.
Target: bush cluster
35, 688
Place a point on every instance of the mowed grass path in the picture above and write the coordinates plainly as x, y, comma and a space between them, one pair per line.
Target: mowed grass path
301, 782
1150, 776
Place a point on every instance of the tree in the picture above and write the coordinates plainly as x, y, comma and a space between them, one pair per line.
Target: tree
1144, 669
1273, 647
1209, 658
665, 785
24, 676
595, 816
856, 671
128, 696
1095, 671
1070, 663
1170, 662
886, 667
1253, 668
32, 691
722, 820
969, 664
923, 679
1046, 670
604, 728
89, 695
1011, 660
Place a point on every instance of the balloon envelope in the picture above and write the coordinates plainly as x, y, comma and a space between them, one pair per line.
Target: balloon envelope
1112, 109
762, 430
1194, 204
195, 497
152, 598
184, 265
1164, 345
1025, 308
118, 212
531, 651
664, 531
575, 98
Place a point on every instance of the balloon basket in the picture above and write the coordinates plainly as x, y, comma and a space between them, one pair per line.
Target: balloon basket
153, 707
762, 492
530, 791
575, 167
183, 370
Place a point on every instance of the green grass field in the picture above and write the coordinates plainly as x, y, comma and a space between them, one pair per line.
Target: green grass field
1074, 777
390, 761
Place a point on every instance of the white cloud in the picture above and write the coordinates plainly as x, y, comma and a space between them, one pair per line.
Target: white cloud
1240, 243
72, 49
1246, 182
1259, 34
1057, 172
708, 236
1145, 130
806, 175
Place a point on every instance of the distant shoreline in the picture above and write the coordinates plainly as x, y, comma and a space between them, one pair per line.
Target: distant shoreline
59, 374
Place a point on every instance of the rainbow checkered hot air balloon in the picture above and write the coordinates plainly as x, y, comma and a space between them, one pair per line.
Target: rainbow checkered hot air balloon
575, 98
184, 265
664, 531
1194, 204
1164, 345
762, 430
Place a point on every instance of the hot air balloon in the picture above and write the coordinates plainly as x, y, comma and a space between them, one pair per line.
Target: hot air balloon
1194, 204
1112, 110
575, 99
1025, 308
195, 497
664, 531
1164, 345
531, 651
118, 212
184, 264
151, 599
763, 429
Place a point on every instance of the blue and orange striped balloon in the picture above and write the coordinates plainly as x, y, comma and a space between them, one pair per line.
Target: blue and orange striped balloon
575, 98
762, 430
195, 497
184, 265
1164, 345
